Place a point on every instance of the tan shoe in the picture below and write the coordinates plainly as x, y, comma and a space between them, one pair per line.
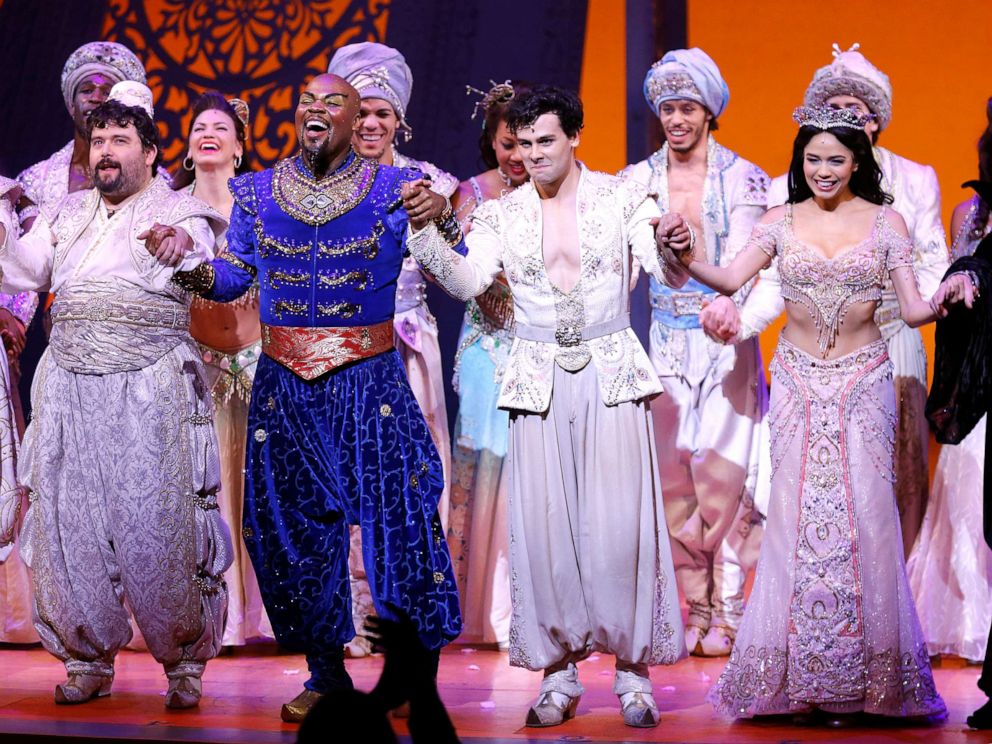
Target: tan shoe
296, 709
693, 635
184, 692
718, 641
640, 710
550, 710
81, 688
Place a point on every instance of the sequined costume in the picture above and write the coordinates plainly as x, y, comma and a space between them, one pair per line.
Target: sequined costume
709, 422
590, 562
120, 457
478, 524
916, 195
335, 435
950, 568
830, 622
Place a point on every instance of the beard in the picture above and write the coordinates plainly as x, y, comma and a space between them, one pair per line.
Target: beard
127, 179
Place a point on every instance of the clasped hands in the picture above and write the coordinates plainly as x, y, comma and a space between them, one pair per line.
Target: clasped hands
166, 243
954, 289
421, 204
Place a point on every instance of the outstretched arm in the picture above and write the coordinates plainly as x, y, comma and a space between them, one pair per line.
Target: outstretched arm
756, 255
228, 277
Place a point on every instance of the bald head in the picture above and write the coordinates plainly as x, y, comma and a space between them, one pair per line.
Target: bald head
326, 116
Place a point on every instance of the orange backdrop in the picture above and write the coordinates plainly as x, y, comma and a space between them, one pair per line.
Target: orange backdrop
936, 54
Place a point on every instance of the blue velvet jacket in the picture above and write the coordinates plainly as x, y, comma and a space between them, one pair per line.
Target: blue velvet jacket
327, 253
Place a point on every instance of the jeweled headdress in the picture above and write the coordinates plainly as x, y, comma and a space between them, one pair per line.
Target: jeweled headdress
241, 111
851, 74
828, 117
499, 94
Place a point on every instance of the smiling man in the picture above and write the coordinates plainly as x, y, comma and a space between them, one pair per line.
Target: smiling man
335, 435
120, 457
591, 567
708, 470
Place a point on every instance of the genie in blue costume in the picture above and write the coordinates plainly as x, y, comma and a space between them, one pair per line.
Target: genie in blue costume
335, 436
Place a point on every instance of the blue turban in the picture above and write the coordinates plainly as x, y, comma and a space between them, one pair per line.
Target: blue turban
687, 74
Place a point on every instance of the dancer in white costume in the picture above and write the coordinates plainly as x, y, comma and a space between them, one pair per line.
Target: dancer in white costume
478, 526
950, 568
120, 458
851, 81
709, 422
383, 79
590, 562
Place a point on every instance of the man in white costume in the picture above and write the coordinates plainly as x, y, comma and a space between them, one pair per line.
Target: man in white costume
708, 423
120, 458
851, 81
87, 77
590, 561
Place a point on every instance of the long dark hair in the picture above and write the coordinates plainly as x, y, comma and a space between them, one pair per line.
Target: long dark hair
493, 114
212, 99
866, 180
981, 219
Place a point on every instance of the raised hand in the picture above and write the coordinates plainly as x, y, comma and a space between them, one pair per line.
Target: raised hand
168, 244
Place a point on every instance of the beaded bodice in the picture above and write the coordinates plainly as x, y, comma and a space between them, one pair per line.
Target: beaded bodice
828, 287
327, 252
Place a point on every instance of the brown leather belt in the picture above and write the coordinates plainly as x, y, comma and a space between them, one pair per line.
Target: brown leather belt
311, 352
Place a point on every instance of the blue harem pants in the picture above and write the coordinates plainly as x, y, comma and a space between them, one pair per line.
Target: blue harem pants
350, 447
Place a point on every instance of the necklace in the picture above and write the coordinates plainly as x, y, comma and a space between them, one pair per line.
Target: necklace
505, 178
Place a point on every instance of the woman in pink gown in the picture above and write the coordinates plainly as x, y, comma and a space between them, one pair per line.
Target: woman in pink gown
830, 623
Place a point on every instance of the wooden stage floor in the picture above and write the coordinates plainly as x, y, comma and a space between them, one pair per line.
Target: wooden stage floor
487, 700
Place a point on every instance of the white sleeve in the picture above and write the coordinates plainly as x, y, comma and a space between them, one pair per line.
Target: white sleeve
763, 305
930, 260
463, 277
25, 262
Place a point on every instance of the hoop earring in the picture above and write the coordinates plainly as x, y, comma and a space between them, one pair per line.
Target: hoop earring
189, 167
237, 162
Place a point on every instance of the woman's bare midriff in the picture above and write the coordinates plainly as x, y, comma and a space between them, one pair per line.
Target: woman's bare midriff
227, 328
856, 330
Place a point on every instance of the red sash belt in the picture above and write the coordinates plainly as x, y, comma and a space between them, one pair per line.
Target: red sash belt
310, 352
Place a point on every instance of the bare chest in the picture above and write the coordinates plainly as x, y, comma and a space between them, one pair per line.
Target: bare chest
685, 196
560, 244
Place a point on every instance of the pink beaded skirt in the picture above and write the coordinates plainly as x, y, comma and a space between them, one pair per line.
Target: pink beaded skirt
831, 622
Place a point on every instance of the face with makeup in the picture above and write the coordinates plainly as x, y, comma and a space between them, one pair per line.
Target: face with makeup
92, 90
213, 140
685, 123
326, 116
828, 166
508, 157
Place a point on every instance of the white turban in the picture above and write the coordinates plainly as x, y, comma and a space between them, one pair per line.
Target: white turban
114, 60
375, 71
686, 74
850, 74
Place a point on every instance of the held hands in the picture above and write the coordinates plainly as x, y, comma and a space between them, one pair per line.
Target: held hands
674, 238
10, 190
421, 204
720, 319
168, 244
954, 289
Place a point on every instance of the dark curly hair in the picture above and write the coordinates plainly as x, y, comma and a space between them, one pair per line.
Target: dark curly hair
490, 123
866, 181
213, 99
115, 113
525, 109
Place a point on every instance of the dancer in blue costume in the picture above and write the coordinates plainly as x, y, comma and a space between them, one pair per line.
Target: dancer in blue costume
335, 436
